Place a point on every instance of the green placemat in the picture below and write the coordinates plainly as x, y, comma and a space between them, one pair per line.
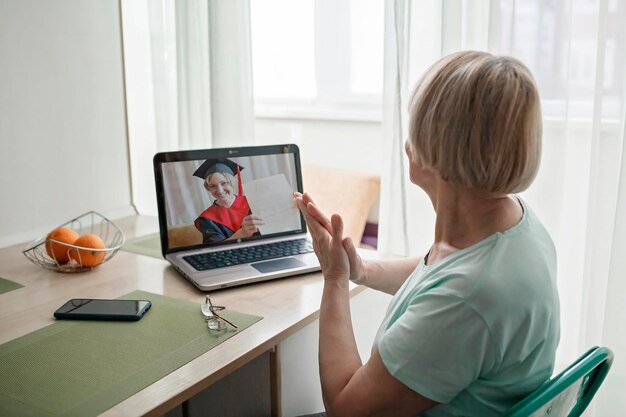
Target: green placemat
149, 245
82, 368
6, 285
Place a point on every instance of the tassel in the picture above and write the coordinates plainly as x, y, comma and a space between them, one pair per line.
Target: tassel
240, 189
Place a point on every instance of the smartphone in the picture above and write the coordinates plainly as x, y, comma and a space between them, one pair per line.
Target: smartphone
99, 309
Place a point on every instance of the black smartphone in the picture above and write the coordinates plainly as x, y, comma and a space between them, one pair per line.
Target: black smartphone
99, 309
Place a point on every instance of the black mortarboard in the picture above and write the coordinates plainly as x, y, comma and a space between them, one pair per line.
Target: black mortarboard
225, 165
210, 166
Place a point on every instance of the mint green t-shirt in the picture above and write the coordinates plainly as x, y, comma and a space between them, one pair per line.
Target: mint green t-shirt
478, 330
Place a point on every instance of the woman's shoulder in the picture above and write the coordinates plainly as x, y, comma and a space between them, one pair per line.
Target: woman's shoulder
528, 239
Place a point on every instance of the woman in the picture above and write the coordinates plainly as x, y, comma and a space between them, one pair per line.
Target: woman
473, 325
229, 217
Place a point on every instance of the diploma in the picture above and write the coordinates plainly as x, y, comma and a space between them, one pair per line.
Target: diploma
271, 199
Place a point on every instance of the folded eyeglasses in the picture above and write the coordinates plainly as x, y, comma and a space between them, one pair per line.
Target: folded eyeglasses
215, 322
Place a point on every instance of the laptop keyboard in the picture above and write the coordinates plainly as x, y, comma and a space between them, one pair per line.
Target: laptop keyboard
220, 259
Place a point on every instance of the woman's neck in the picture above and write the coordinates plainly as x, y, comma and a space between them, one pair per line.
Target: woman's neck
466, 216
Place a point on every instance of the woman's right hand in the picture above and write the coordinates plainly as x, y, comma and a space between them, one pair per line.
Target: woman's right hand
357, 266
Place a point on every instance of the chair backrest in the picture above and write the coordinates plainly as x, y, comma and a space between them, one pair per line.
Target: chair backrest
349, 193
569, 393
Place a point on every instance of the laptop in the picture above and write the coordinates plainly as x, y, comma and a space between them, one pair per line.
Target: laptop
227, 216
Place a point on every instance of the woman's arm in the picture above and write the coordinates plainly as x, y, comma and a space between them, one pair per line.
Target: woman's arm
348, 387
386, 275
211, 231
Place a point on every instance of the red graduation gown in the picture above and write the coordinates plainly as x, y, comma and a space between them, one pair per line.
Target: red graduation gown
231, 217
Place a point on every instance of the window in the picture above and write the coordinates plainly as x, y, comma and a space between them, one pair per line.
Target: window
318, 56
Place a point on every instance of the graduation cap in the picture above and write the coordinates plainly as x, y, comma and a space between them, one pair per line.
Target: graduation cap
222, 165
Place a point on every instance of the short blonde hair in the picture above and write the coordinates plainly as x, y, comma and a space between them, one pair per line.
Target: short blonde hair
476, 119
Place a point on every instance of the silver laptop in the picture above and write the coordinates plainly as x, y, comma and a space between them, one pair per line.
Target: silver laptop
227, 216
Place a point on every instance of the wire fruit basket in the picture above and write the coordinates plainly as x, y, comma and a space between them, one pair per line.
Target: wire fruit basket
38, 251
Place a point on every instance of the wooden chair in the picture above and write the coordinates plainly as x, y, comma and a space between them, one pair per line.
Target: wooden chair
348, 193
184, 235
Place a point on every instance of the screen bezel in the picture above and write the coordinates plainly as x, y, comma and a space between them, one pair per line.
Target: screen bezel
194, 155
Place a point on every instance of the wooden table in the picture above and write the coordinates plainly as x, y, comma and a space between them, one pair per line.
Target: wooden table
286, 306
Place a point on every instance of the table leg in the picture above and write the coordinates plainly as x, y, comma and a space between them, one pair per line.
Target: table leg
275, 382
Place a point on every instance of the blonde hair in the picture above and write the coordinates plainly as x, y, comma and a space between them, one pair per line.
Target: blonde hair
476, 119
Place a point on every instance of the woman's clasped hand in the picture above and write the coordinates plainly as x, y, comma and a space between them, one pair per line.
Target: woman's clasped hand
337, 254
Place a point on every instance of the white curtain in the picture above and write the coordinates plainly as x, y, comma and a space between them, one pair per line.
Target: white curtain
188, 81
577, 51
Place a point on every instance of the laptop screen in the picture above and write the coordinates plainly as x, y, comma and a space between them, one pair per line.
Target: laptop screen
219, 197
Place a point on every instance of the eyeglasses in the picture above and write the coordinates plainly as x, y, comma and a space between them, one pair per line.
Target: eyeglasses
215, 322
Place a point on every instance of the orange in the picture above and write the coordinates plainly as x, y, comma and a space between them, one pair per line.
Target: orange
57, 250
86, 257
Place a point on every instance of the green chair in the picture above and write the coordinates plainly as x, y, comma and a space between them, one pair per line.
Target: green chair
569, 393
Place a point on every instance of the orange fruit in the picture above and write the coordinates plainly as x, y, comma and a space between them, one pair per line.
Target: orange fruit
86, 257
57, 250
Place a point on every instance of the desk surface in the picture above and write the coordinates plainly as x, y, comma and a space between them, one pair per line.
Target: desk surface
286, 304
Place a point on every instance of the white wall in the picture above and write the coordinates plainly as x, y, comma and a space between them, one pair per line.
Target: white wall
63, 147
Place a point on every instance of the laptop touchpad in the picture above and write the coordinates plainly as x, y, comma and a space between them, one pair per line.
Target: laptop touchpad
277, 265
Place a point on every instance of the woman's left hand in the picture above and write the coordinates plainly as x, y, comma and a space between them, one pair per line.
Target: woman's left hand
327, 239
249, 226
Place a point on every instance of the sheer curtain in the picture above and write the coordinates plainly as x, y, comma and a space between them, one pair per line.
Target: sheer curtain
577, 51
188, 81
